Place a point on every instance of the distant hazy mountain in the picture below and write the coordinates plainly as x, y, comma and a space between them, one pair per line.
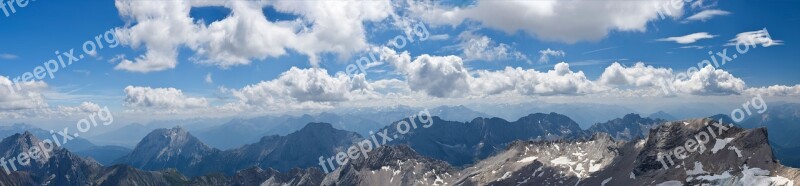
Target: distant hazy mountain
662, 115
343, 122
104, 154
381, 115
584, 114
460, 143
239, 132
126, 136
629, 127
781, 120
177, 148
456, 113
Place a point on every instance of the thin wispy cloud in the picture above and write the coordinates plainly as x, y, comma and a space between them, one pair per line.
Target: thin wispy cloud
759, 37
544, 55
688, 39
8, 56
598, 50
706, 15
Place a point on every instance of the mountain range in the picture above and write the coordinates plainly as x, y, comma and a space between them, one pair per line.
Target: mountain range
537, 149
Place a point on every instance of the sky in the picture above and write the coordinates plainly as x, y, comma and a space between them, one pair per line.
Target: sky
165, 59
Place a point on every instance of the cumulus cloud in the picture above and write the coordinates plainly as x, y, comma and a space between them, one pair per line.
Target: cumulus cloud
710, 81
544, 55
706, 81
311, 86
637, 75
446, 76
564, 21
690, 38
160, 98
23, 95
559, 81
438, 76
707, 14
775, 90
757, 37
480, 47
163, 27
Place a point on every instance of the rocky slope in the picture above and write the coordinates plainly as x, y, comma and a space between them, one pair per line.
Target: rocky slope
732, 156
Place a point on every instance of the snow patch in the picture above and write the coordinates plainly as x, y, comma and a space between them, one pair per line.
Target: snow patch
605, 181
720, 143
670, 183
527, 159
757, 176
698, 169
562, 161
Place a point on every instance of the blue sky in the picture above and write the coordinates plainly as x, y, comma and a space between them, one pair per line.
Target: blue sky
30, 37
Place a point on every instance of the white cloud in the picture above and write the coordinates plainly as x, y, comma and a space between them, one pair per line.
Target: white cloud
559, 81
707, 14
85, 107
706, 81
701, 4
690, 38
438, 76
163, 27
565, 21
693, 47
754, 38
438, 37
208, 79
775, 90
30, 102
169, 99
710, 81
445, 76
299, 87
544, 55
8, 56
480, 47
637, 75
25, 95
